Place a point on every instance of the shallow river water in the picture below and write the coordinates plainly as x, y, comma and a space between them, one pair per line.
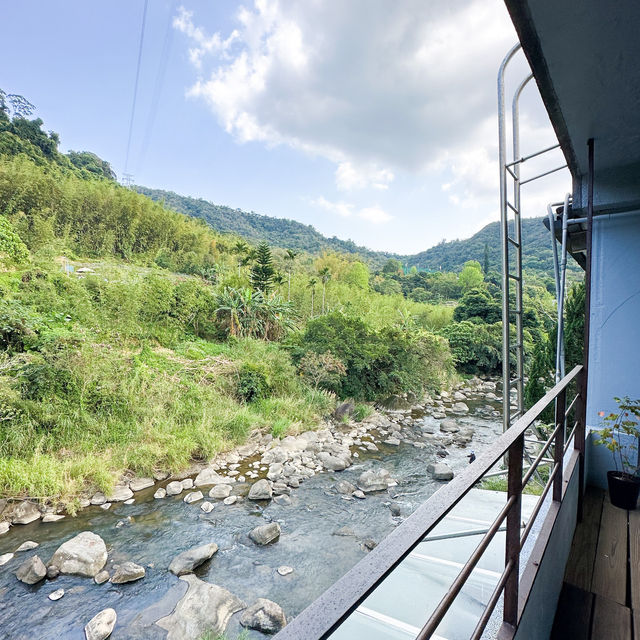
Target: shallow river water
160, 529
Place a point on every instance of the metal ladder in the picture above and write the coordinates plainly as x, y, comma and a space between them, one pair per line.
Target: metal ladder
511, 241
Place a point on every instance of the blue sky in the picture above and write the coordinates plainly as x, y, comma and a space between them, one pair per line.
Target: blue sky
371, 120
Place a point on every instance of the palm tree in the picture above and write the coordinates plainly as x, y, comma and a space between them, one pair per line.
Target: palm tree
312, 285
325, 276
289, 257
241, 249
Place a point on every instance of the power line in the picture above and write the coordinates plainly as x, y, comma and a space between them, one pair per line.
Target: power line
135, 87
159, 82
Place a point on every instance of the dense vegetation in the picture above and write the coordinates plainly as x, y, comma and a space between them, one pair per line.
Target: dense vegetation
141, 336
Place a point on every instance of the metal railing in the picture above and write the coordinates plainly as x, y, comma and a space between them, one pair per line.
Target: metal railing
320, 619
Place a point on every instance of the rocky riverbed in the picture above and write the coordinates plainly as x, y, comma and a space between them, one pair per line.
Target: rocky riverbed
245, 541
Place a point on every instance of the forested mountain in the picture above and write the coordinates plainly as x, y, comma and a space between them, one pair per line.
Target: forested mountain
278, 232
289, 234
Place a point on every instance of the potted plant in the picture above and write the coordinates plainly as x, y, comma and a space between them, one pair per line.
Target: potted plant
624, 483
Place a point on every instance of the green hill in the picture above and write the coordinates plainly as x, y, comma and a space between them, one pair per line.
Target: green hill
278, 232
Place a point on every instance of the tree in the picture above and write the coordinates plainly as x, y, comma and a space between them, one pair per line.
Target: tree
325, 276
263, 271
289, 258
241, 249
92, 163
392, 267
312, 285
471, 276
478, 304
357, 275
485, 268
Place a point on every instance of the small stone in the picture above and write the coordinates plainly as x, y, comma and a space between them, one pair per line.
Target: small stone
187, 483
25, 513
52, 572
4, 528
264, 616
207, 507
127, 572
105, 506
187, 561
174, 488
230, 500
101, 625
394, 507
449, 426
56, 595
5, 557
265, 533
220, 491
159, 476
27, 546
359, 494
345, 488
260, 490
440, 471
138, 484
192, 497
120, 493
101, 577
31, 571
160, 493
392, 441
369, 544
283, 500
129, 501
52, 517
284, 570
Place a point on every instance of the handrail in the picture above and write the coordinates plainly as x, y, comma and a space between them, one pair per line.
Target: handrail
333, 607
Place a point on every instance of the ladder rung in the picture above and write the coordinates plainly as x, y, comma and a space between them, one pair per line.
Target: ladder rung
515, 416
513, 276
514, 381
513, 208
515, 243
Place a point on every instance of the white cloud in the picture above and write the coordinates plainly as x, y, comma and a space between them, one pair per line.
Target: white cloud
374, 215
350, 177
343, 209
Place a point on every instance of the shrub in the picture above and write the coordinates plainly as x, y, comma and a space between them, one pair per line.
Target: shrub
252, 383
323, 370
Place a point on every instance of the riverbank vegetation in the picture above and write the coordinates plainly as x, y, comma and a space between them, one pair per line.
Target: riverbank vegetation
135, 338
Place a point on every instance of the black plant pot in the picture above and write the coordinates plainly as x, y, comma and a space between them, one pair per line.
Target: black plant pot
623, 489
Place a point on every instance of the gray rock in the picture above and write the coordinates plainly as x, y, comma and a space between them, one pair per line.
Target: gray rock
5, 557
377, 480
83, 555
127, 572
207, 507
27, 546
174, 488
25, 513
160, 493
394, 507
284, 570
187, 483
188, 560
52, 517
101, 578
159, 476
220, 491
192, 497
260, 490
4, 528
369, 544
31, 571
275, 470
265, 616
392, 441
105, 506
98, 498
56, 595
440, 471
129, 501
359, 494
333, 463
345, 488
449, 426
204, 608
460, 407
230, 500
101, 625
344, 409
283, 500
52, 572
120, 493
265, 533
138, 484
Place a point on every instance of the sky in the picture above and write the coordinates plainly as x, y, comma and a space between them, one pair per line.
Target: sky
372, 120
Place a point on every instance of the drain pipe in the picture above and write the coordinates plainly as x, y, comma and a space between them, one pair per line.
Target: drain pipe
561, 292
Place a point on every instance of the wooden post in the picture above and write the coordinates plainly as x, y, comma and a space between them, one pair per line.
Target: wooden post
512, 543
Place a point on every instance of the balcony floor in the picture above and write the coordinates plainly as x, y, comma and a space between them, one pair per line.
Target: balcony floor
600, 598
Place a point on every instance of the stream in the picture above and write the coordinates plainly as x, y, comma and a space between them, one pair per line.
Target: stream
323, 535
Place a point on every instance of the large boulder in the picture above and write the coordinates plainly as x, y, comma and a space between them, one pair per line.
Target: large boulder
264, 616
265, 533
174, 488
260, 490
345, 409
377, 480
25, 512
187, 561
440, 471
220, 491
204, 608
334, 463
449, 426
210, 476
138, 484
31, 571
82, 555
120, 493
460, 407
127, 572
101, 625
